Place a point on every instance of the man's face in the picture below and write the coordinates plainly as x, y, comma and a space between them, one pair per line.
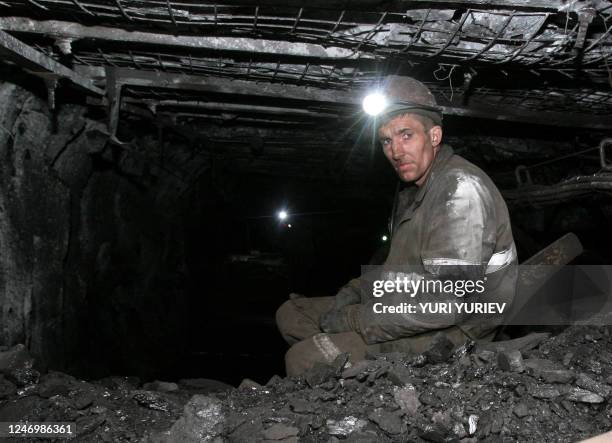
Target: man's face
409, 147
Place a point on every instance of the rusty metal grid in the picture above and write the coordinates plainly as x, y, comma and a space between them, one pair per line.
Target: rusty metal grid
456, 35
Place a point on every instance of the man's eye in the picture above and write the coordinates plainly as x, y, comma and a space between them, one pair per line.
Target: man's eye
406, 135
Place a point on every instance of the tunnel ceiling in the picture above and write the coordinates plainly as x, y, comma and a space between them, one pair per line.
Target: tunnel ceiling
289, 68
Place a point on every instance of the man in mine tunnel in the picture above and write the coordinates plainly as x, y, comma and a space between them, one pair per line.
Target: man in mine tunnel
450, 222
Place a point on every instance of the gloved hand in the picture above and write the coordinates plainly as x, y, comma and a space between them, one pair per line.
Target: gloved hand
334, 321
340, 320
348, 295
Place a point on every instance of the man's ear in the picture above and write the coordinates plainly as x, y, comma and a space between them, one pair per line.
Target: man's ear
435, 135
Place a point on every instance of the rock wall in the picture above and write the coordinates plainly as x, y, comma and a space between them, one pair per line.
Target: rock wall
91, 254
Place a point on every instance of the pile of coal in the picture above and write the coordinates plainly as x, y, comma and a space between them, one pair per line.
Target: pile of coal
535, 388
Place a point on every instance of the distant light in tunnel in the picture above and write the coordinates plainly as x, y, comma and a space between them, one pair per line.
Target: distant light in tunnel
384, 238
289, 225
374, 103
282, 215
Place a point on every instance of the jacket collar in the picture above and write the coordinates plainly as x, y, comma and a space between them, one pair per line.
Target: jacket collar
444, 154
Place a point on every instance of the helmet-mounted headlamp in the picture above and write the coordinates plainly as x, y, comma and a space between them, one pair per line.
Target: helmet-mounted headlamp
378, 105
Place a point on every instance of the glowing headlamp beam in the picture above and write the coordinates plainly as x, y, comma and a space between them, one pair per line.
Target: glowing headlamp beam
374, 103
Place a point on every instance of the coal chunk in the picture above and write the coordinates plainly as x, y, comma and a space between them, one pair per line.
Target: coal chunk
151, 400
23, 376
390, 422
586, 382
301, 406
83, 399
346, 426
548, 370
584, 396
55, 383
400, 375
544, 391
319, 374
162, 386
407, 399
248, 385
510, 361
440, 349
356, 369
88, 424
202, 420
521, 410
280, 431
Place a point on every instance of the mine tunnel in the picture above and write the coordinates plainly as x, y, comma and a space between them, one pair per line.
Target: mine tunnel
173, 171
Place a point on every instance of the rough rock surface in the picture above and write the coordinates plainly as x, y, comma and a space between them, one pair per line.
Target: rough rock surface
467, 398
90, 252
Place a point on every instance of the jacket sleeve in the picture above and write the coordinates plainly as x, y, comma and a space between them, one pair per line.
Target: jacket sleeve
457, 244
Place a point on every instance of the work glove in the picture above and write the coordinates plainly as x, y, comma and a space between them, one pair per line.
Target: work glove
340, 320
348, 295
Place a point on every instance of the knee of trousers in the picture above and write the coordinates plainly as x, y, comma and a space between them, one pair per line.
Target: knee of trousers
286, 317
323, 348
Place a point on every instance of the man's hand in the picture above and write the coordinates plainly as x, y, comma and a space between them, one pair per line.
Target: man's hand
334, 321
340, 320
346, 296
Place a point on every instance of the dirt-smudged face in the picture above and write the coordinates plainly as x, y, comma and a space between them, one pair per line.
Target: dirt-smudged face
410, 147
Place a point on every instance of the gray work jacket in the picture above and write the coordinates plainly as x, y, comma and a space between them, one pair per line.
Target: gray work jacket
456, 224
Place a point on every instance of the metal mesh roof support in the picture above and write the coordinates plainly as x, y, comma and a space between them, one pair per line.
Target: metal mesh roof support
134, 60
372, 32
418, 33
38, 5
524, 46
297, 20
170, 12
106, 59
304, 73
337, 24
276, 70
494, 39
120, 6
161, 63
453, 35
83, 8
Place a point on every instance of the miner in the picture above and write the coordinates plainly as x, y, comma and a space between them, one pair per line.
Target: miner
451, 222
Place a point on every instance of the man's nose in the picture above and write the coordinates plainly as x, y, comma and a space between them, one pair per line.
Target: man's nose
396, 150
